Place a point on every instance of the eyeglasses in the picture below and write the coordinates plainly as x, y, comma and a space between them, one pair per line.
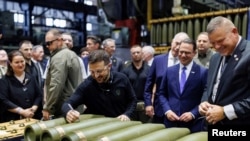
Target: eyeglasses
48, 43
100, 71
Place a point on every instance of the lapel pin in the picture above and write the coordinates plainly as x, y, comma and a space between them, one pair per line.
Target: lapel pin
236, 57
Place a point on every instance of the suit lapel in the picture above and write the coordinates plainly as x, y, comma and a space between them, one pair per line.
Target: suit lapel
228, 73
216, 67
176, 82
233, 61
193, 74
164, 67
166, 59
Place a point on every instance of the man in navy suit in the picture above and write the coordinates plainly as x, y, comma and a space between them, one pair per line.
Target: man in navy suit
157, 69
180, 101
110, 47
92, 43
226, 99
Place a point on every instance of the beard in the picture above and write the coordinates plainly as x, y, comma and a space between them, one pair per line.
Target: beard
102, 78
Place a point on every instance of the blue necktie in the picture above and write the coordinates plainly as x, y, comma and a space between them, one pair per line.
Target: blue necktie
183, 79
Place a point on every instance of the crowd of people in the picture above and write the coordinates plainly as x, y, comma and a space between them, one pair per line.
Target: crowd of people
196, 83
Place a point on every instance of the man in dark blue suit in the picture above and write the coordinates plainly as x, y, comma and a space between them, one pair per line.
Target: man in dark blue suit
40, 61
226, 99
157, 69
92, 43
110, 47
180, 98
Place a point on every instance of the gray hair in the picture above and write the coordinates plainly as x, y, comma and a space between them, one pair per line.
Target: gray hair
218, 22
181, 35
148, 49
105, 42
34, 48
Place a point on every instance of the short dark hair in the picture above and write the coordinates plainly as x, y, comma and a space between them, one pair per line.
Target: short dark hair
98, 56
11, 55
24, 42
83, 49
95, 39
190, 41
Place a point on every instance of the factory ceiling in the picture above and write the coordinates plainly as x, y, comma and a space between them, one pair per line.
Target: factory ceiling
160, 8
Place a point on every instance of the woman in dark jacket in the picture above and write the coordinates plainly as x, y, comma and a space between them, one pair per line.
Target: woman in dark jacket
20, 95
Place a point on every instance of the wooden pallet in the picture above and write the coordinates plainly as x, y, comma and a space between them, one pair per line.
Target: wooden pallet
14, 128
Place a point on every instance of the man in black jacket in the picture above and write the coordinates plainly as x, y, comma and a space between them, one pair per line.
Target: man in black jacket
105, 92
